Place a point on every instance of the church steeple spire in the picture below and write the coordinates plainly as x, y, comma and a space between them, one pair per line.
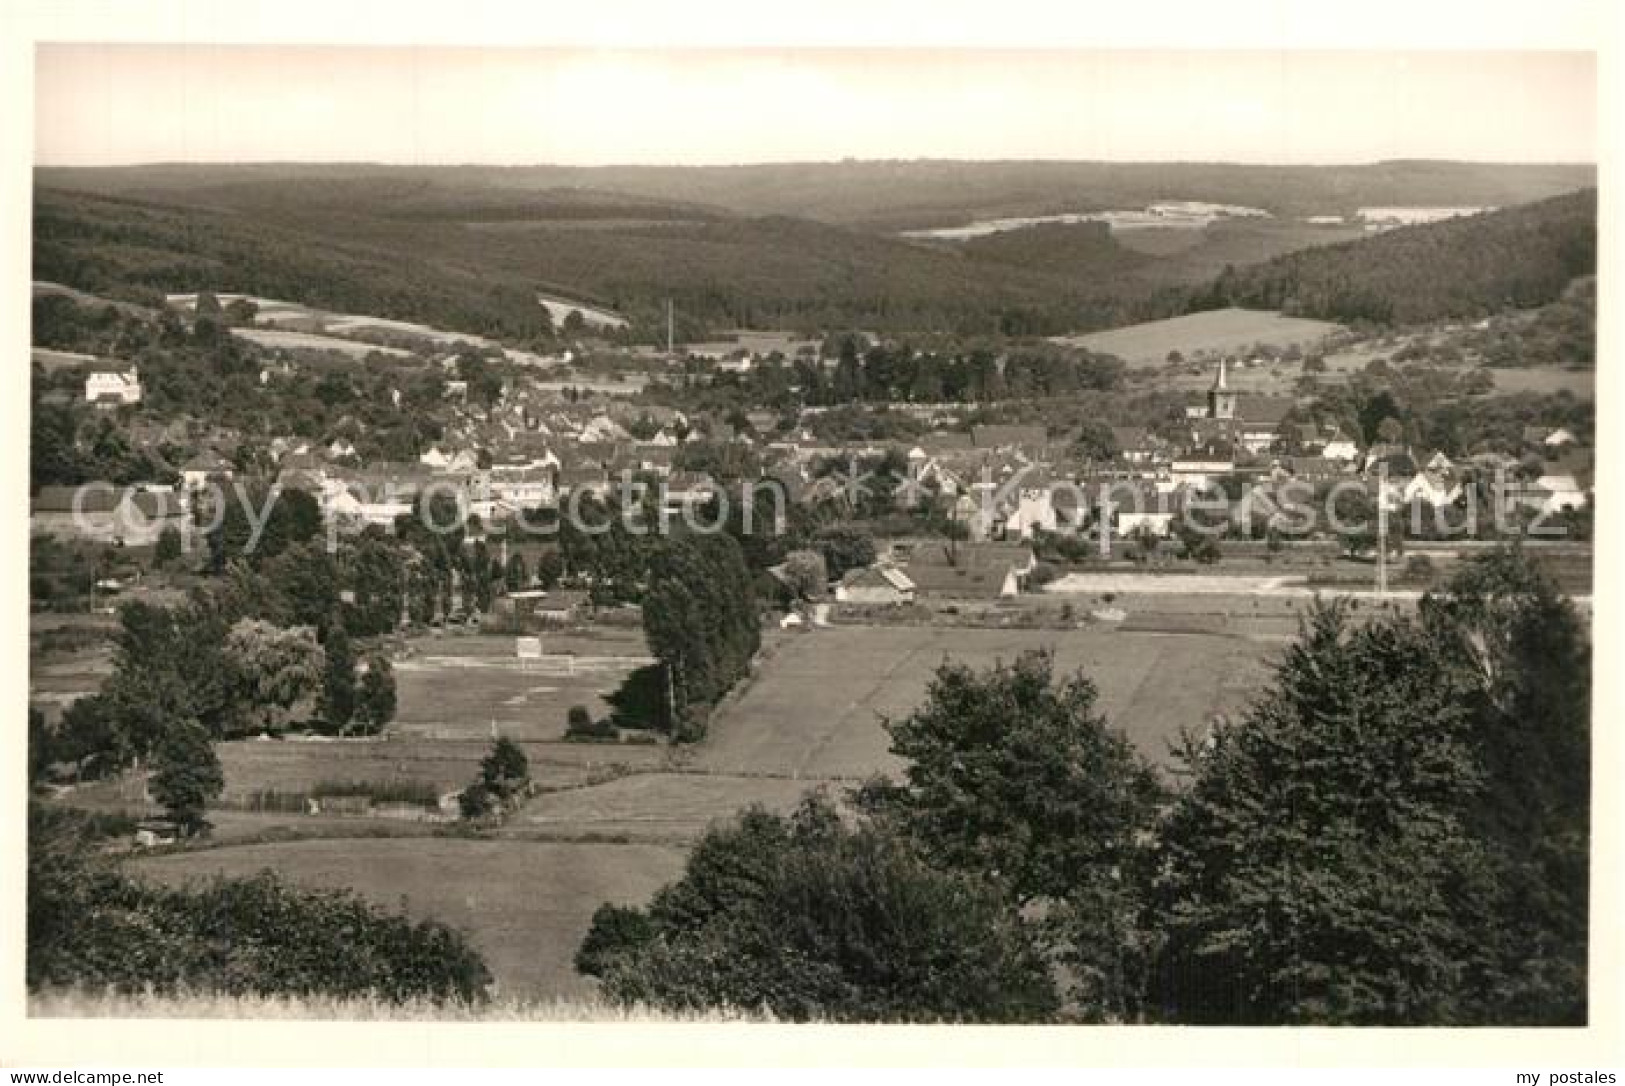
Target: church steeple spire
1221, 402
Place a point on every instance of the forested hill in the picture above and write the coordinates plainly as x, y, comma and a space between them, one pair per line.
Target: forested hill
137, 251
1517, 258
874, 195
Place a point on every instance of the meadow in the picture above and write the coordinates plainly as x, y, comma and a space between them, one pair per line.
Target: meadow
525, 904
308, 341
614, 822
814, 710
1221, 330
470, 687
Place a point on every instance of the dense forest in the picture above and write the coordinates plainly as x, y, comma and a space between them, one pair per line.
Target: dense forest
878, 195
1516, 258
468, 248
139, 251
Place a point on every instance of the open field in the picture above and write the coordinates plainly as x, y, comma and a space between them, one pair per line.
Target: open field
462, 688
309, 341
525, 904
1218, 330
560, 308
674, 807
1582, 383
299, 766
814, 710
58, 679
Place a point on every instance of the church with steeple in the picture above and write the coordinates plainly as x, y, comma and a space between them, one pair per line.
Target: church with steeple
1247, 422
1221, 399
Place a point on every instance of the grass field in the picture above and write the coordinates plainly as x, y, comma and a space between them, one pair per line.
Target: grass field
1582, 383
460, 688
525, 904
309, 341
814, 711
658, 807
810, 718
1219, 330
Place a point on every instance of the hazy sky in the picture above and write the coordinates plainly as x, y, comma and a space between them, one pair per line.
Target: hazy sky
133, 103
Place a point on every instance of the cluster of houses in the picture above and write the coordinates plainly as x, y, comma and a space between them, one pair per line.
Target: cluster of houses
1006, 483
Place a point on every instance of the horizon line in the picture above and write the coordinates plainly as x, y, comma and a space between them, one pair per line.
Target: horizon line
844, 161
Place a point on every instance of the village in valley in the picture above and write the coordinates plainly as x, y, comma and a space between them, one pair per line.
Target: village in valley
864, 590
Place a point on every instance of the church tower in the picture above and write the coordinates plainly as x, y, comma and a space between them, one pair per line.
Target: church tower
1221, 399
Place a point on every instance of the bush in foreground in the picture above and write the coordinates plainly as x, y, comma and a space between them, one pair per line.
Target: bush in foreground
91, 927
809, 918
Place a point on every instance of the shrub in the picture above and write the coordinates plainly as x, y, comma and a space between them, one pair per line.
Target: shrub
91, 927
1419, 567
476, 802
812, 919
641, 701
1042, 573
421, 793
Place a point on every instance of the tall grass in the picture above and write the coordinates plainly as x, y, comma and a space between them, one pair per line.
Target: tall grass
414, 793
422, 793
81, 1003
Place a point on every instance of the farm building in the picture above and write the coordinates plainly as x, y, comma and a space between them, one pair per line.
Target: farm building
875, 584
557, 606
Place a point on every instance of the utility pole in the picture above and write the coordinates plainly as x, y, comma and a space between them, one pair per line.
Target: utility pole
1382, 532
670, 326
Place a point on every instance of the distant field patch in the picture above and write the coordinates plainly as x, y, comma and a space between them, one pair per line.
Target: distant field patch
1218, 330
660, 806
1582, 383
525, 904
308, 341
560, 308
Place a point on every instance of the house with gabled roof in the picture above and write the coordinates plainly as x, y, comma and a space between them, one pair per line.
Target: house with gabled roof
876, 585
206, 465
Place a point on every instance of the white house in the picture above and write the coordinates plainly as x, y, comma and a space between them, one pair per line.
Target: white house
523, 488
1565, 492
435, 458
1341, 448
340, 507
1558, 438
1200, 473
1431, 486
113, 388
1033, 510
602, 429
1158, 524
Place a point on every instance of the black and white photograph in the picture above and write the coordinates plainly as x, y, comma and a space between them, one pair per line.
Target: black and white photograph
813, 534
